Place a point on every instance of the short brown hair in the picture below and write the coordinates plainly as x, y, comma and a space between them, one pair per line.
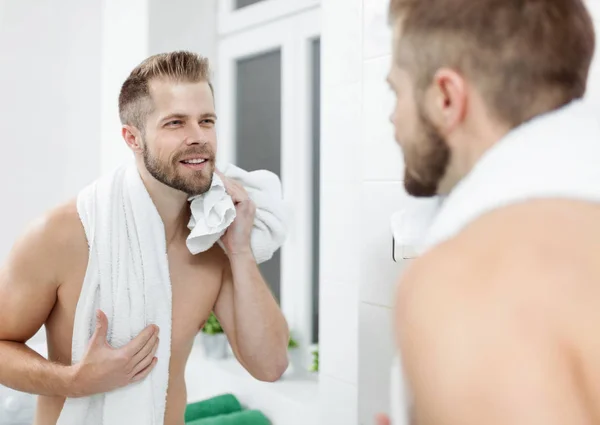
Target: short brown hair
134, 105
525, 56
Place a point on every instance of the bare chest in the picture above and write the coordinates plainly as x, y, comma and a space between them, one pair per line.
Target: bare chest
195, 283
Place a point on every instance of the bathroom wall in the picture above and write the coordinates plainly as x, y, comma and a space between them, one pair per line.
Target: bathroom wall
49, 107
361, 187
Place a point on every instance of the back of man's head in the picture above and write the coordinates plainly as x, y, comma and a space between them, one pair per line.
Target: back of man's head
525, 57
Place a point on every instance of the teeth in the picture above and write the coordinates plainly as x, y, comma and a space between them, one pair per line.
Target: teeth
194, 161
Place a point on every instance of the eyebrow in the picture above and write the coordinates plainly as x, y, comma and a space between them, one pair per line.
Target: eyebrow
183, 116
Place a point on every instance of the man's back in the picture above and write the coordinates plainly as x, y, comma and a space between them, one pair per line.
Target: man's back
505, 314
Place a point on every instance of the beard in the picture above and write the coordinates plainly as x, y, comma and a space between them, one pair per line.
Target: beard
193, 182
426, 166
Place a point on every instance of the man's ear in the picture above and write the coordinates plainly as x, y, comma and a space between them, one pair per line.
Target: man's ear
447, 100
132, 137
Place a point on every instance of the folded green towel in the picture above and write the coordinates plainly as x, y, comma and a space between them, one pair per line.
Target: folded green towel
219, 405
247, 417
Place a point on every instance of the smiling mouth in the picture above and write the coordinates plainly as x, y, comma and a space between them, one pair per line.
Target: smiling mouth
193, 161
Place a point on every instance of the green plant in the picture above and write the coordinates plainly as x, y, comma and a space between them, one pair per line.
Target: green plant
212, 325
315, 364
292, 343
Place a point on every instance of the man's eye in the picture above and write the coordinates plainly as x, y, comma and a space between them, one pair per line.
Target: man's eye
175, 122
209, 121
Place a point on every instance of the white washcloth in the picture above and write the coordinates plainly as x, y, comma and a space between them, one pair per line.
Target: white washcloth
213, 212
128, 278
555, 155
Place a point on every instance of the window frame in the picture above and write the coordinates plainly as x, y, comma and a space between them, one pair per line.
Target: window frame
293, 35
233, 20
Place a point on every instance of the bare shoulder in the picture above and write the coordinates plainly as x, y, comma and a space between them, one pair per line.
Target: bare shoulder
39, 262
50, 242
507, 256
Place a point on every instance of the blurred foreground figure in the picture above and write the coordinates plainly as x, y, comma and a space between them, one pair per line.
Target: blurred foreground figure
496, 322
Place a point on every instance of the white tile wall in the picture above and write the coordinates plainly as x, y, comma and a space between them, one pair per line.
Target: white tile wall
338, 333
340, 131
375, 356
341, 41
338, 402
382, 156
340, 219
361, 186
379, 273
377, 36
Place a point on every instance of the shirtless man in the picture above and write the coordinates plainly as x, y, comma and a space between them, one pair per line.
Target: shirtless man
498, 323
167, 110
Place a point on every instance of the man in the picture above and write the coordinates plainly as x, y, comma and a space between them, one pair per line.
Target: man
167, 110
496, 321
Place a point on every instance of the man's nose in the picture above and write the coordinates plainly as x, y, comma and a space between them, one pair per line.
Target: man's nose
195, 135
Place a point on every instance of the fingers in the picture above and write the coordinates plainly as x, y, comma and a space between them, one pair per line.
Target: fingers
382, 420
140, 341
145, 362
101, 327
145, 372
148, 350
235, 189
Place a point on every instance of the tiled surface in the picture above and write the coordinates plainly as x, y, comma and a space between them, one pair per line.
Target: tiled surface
379, 273
340, 221
341, 120
341, 41
382, 156
377, 38
375, 358
338, 402
338, 332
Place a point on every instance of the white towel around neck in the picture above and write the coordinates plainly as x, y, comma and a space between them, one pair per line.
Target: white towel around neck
555, 155
127, 277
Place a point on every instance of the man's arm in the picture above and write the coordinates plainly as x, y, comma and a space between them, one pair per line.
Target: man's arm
29, 282
479, 346
28, 292
248, 312
252, 320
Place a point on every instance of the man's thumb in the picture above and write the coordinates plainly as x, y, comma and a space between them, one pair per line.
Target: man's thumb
101, 326
382, 420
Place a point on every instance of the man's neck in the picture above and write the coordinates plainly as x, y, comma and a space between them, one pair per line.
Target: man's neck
171, 204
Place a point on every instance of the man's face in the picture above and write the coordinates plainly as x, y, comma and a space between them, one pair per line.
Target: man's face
179, 141
426, 153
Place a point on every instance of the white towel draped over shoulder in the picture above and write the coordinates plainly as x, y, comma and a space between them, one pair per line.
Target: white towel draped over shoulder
554, 155
128, 278
214, 211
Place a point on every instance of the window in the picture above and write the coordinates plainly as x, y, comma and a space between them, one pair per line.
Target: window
258, 127
268, 96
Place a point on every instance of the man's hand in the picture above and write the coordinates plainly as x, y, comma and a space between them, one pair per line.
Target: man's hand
237, 237
104, 368
382, 419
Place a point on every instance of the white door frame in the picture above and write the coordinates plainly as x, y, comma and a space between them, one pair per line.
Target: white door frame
232, 20
292, 33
